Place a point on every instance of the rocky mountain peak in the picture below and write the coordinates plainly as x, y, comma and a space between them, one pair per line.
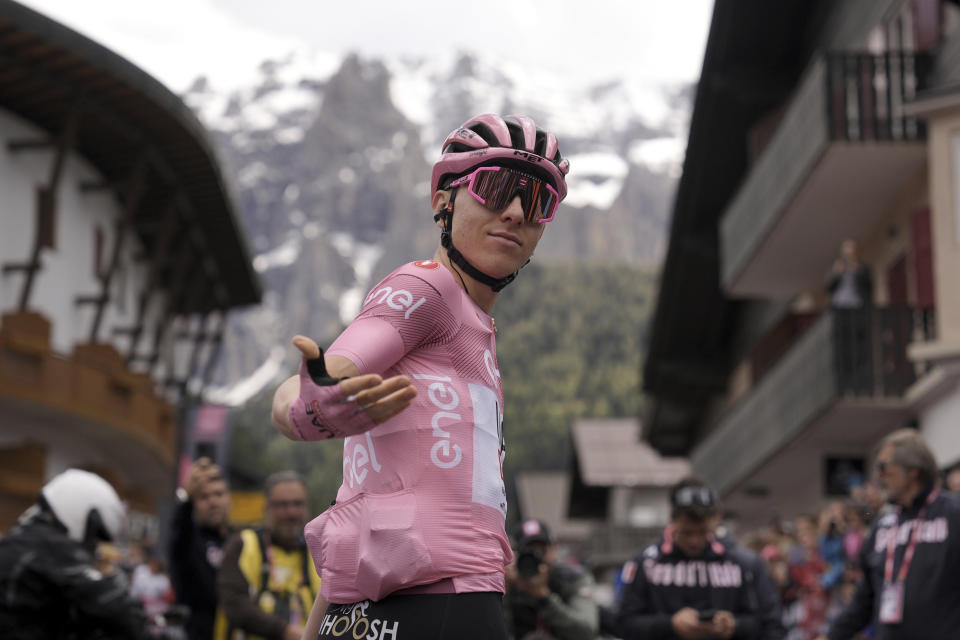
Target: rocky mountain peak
332, 163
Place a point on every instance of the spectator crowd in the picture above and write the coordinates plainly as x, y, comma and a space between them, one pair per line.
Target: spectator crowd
813, 559
806, 573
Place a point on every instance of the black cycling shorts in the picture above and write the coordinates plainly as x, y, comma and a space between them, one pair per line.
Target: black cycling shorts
433, 616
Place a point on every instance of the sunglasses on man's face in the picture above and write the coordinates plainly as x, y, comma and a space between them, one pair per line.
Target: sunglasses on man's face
694, 496
287, 504
883, 465
496, 187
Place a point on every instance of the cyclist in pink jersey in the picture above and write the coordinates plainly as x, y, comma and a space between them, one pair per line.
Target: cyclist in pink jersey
415, 546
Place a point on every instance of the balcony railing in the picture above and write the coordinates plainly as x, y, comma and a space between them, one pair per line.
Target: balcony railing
870, 349
843, 149
867, 92
857, 355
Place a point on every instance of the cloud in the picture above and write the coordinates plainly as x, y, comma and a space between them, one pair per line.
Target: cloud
175, 41
601, 39
227, 39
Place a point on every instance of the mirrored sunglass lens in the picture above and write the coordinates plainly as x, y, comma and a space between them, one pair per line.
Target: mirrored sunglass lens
530, 198
487, 185
546, 203
549, 202
506, 186
531, 211
498, 188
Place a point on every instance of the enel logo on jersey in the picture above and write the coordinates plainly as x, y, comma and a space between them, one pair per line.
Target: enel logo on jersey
445, 398
400, 299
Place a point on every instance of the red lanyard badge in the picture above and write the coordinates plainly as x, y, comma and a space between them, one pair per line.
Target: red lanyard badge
911, 546
891, 598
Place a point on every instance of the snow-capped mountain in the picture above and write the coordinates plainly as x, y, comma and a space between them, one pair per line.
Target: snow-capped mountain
331, 160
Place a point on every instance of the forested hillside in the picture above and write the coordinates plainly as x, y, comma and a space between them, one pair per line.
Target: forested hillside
570, 343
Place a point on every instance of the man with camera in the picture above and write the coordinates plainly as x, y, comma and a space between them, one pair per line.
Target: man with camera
547, 599
689, 585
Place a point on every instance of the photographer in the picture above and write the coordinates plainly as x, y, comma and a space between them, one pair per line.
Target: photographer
546, 599
689, 585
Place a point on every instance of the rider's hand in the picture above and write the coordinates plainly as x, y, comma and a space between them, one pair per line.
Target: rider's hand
381, 399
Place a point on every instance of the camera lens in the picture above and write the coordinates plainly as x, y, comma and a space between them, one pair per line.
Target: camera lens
528, 563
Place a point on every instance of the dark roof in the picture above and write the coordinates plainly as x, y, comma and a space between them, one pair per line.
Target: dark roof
544, 495
49, 72
610, 454
755, 51
607, 455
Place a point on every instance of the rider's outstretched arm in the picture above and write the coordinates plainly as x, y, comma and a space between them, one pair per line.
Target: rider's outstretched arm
327, 399
289, 391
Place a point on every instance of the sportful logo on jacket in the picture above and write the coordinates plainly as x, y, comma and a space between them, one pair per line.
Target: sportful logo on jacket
931, 589
662, 580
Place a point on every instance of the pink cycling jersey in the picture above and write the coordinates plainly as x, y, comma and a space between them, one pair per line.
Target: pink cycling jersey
422, 498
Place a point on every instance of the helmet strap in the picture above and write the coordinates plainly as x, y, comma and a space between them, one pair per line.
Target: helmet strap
446, 241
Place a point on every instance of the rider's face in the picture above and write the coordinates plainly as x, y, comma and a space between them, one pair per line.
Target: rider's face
496, 243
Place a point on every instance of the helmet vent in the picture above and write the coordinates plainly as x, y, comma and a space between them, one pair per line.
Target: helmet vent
516, 136
540, 148
486, 133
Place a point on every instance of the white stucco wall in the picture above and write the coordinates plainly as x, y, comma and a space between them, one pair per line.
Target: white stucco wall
943, 130
940, 426
68, 270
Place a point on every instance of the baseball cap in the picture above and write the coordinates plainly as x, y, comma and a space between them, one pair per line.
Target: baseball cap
532, 530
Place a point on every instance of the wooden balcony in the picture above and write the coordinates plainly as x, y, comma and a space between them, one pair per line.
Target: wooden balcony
90, 393
843, 150
840, 386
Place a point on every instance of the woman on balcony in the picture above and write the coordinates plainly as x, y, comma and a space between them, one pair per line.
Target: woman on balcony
850, 286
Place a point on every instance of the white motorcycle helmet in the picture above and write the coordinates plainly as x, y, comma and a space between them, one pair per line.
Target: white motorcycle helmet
86, 505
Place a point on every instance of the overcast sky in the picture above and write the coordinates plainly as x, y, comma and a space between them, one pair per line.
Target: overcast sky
592, 41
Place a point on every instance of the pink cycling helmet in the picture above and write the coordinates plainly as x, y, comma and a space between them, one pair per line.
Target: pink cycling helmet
509, 141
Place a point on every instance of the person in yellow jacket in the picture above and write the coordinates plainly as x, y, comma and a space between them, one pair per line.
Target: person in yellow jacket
267, 581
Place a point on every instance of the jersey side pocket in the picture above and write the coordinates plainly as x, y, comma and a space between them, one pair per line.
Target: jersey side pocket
369, 546
333, 538
393, 554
